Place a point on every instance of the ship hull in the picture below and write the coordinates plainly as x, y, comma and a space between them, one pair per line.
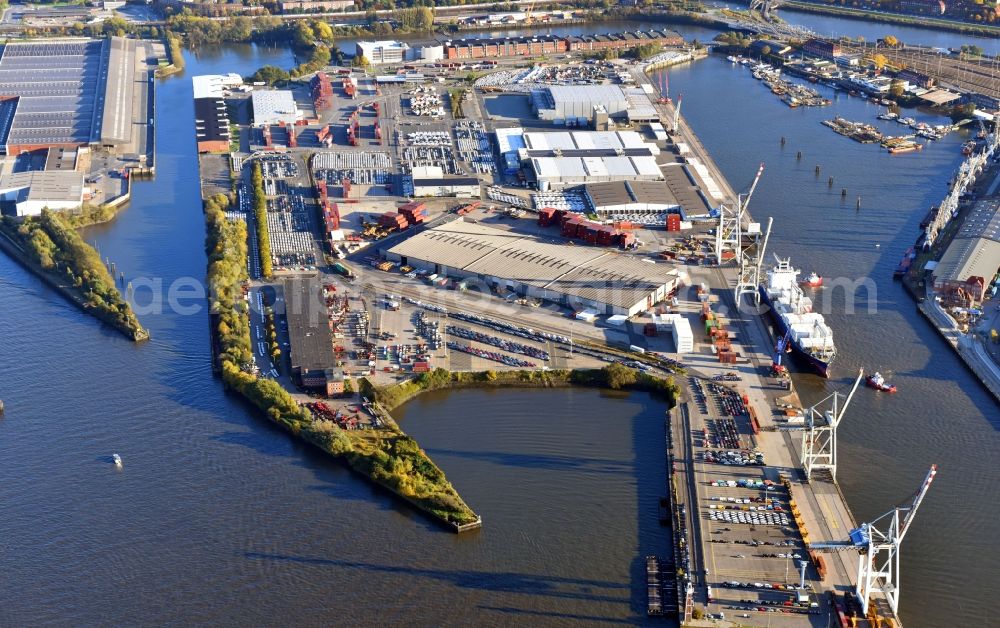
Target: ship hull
804, 358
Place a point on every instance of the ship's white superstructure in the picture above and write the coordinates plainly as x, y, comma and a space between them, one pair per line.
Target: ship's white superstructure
792, 309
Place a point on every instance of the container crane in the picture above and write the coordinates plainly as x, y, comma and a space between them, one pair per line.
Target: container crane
729, 234
819, 439
878, 552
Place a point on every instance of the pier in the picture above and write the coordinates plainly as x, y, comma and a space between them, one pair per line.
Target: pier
720, 560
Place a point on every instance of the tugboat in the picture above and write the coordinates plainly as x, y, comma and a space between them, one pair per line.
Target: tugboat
812, 281
878, 382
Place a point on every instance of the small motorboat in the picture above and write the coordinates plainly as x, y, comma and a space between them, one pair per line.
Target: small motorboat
117, 459
878, 382
812, 281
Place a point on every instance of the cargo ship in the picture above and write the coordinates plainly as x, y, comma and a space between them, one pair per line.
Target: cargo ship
811, 338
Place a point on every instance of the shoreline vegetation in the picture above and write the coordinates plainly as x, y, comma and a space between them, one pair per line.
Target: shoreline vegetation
614, 377
176, 64
50, 246
387, 456
260, 221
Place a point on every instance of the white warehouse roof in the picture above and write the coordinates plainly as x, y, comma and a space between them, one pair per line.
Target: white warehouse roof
569, 169
214, 85
587, 140
271, 106
585, 93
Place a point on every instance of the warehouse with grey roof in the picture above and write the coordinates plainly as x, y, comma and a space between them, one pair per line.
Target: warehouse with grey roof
309, 334
576, 277
73, 92
974, 254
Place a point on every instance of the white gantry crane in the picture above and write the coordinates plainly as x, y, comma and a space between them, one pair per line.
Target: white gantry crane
751, 260
878, 551
819, 438
737, 239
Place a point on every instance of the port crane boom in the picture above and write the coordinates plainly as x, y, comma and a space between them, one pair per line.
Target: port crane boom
819, 439
753, 186
878, 552
738, 238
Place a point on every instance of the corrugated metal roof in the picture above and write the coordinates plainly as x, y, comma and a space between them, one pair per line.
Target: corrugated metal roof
46, 185
595, 166
586, 93
596, 274
645, 166
619, 167
975, 251
977, 257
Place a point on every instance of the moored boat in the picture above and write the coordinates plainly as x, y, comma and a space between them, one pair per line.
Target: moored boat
904, 264
905, 148
812, 281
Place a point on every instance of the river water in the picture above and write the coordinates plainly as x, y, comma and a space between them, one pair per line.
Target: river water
217, 518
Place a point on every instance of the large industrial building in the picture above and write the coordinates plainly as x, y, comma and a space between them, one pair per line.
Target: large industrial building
379, 52
585, 105
562, 102
578, 277
309, 334
274, 107
28, 193
972, 260
211, 123
551, 173
211, 118
562, 158
557, 159
626, 199
215, 85
71, 93
526, 46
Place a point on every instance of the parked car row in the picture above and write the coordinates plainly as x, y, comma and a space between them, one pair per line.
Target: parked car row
496, 341
490, 355
510, 328
749, 518
735, 457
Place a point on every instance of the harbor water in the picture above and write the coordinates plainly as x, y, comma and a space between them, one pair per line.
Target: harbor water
941, 414
216, 518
